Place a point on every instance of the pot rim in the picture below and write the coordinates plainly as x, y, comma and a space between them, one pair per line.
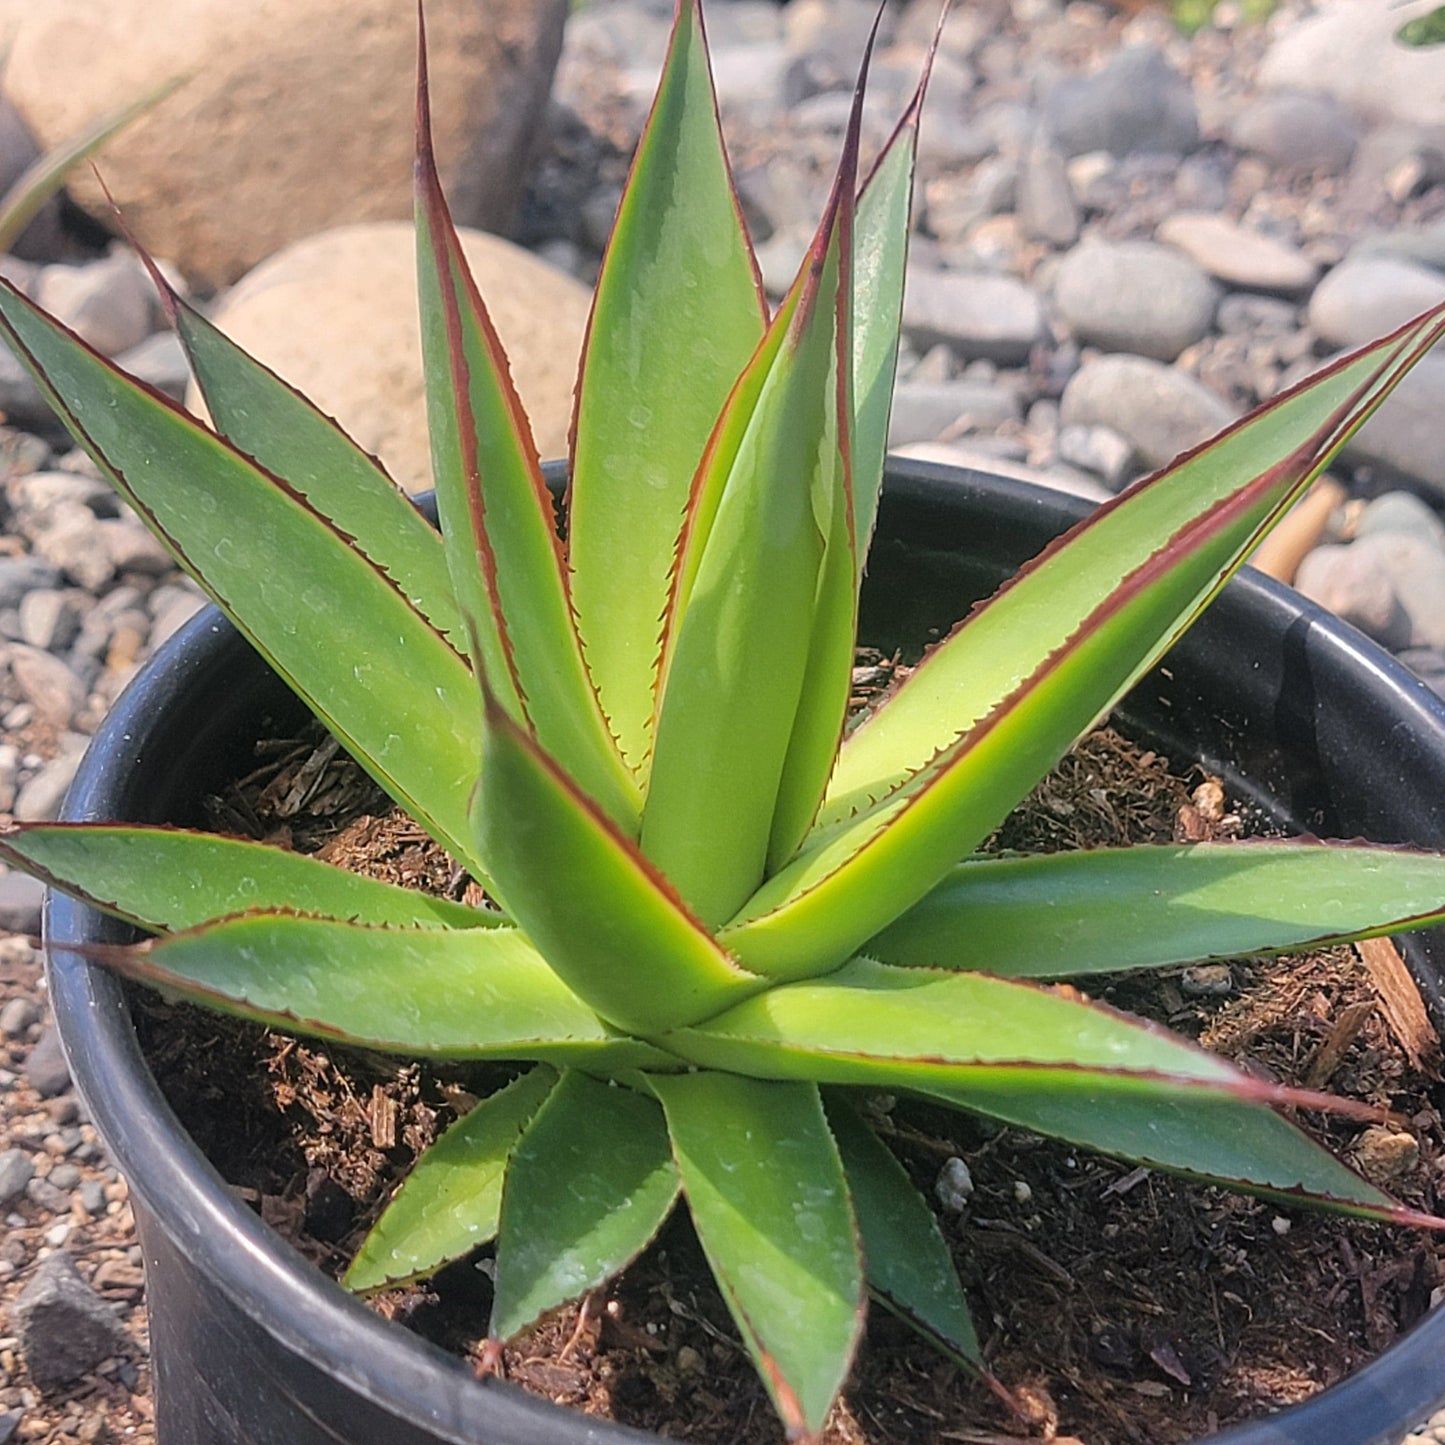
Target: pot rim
313, 1316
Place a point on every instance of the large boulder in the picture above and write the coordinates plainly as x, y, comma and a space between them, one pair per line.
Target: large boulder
1348, 50
336, 316
296, 115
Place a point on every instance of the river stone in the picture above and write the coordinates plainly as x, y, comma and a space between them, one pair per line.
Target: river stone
1354, 583
336, 316
1402, 440
48, 685
1047, 209
1242, 313
297, 115
1238, 256
46, 1070
1159, 408
1401, 512
1367, 296
110, 303
21, 898
21, 400
1100, 450
1138, 102
1202, 181
16, 1171
19, 575
1134, 296
38, 801
64, 1327
751, 81
1396, 160
835, 30
49, 619
1297, 131
1417, 571
955, 206
17, 1016
924, 410
1425, 245
994, 317
71, 539
1348, 50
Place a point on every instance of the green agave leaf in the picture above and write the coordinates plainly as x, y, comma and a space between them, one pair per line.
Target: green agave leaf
451, 1201
860, 875
880, 254
168, 878
710, 482
678, 297
723, 740
588, 1187
1423, 30
1069, 914
828, 672
273, 423
607, 922
45, 175
768, 1195
479, 993
496, 513
1002, 643
1191, 1131
910, 1269
1039, 1059
877, 1025
282, 572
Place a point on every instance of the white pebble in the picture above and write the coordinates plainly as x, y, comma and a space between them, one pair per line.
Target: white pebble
954, 1186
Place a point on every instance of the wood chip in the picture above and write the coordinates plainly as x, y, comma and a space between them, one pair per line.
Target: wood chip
1131, 1180
1336, 1045
382, 1118
1401, 1004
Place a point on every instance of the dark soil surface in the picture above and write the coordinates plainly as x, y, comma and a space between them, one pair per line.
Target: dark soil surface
1119, 1305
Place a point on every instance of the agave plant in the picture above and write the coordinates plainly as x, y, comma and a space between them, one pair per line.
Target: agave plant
712, 917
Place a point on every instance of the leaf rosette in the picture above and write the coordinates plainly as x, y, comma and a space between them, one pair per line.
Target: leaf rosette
713, 916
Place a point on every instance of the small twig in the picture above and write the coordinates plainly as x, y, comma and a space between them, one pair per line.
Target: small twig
583, 1310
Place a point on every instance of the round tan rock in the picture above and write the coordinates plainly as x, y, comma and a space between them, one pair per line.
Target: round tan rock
336, 316
296, 115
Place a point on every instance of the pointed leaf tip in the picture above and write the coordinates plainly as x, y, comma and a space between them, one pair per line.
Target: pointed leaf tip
498, 528
679, 295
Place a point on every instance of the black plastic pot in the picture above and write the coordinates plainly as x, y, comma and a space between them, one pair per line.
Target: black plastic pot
252, 1346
